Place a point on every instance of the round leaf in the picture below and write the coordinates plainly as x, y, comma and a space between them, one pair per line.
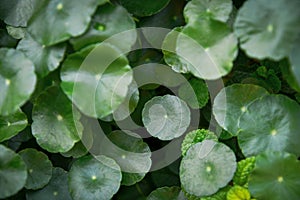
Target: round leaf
11, 125
13, 172
56, 189
144, 8
207, 167
232, 101
103, 84
166, 117
276, 176
39, 168
270, 123
94, 179
214, 9
167, 193
58, 20
77, 151
108, 21
45, 59
266, 30
56, 125
17, 80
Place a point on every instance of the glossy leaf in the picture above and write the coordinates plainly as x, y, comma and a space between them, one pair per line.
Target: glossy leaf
39, 168
103, 84
56, 189
232, 101
275, 176
11, 125
17, 80
167, 193
264, 29
166, 117
56, 125
144, 8
45, 59
207, 167
94, 179
13, 172
59, 20
270, 124
108, 21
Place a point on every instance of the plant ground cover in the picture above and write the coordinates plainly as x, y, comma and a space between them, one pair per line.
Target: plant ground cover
153, 99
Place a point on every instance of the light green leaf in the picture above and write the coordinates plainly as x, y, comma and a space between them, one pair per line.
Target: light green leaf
99, 85
56, 125
214, 9
108, 21
166, 117
39, 168
45, 59
238, 193
145, 7
232, 101
270, 123
207, 167
17, 80
268, 30
276, 176
167, 193
56, 189
13, 172
59, 20
11, 125
243, 171
91, 179
16, 32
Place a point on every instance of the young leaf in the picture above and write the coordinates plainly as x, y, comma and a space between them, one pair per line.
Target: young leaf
56, 189
11, 125
207, 167
276, 176
56, 124
39, 168
264, 29
13, 172
244, 169
17, 80
91, 178
238, 193
166, 117
270, 123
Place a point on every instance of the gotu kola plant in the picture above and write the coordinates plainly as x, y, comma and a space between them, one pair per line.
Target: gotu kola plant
161, 99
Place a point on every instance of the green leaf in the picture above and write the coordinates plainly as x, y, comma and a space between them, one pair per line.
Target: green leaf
166, 117
196, 136
167, 193
194, 93
59, 20
11, 125
56, 189
16, 32
264, 29
144, 8
56, 125
220, 195
214, 9
209, 47
17, 80
276, 176
96, 86
132, 155
39, 168
232, 101
238, 193
13, 172
207, 167
7, 40
45, 59
108, 21
244, 169
270, 123
77, 151
295, 62
94, 179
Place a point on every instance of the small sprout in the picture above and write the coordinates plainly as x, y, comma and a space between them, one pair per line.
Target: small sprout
55, 193
270, 28
243, 109
7, 82
30, 171
59, 6
123, 156
273, 132
94, 177
280, 179
208, 169
59, 117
